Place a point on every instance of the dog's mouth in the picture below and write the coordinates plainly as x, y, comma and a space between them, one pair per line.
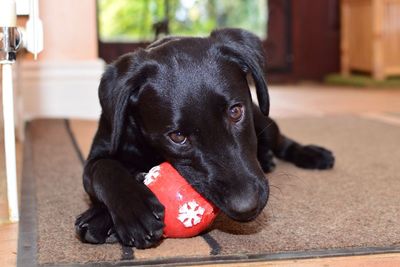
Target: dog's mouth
241, 201
243, 205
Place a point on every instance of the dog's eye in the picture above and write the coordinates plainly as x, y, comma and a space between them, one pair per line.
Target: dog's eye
236, 112
178, 138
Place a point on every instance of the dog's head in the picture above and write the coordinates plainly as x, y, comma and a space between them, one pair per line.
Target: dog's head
190, 99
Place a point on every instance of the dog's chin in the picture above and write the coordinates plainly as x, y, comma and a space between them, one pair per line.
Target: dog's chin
241, 217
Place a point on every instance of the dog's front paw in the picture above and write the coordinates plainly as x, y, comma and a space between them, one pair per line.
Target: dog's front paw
139, 219
95, 226
314, 157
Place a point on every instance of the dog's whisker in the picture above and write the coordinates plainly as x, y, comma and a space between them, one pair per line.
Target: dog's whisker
274, 186
287, 175
272, 209
265, 128
273, 196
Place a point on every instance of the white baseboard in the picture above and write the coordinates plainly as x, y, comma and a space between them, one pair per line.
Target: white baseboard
58, 89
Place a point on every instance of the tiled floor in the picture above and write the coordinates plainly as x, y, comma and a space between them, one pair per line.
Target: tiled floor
286, 101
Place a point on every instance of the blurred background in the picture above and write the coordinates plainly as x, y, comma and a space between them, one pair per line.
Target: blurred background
301, 39
331, 42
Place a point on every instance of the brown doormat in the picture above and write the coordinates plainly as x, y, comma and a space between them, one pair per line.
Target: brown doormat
351, 210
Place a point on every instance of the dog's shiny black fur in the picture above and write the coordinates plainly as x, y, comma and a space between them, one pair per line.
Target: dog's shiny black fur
188, 87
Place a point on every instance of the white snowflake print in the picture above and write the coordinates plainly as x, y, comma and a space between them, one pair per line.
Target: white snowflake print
152, 175
190, 213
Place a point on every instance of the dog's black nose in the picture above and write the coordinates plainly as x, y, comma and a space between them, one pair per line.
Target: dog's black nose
246, 205
245, 209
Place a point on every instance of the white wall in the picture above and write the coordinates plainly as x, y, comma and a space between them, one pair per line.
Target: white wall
58, 89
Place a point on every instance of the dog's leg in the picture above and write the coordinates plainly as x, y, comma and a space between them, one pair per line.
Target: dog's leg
264, 153
270, 139
136, 214
122, 206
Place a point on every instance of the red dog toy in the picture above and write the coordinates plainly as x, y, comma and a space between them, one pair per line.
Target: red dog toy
187, 213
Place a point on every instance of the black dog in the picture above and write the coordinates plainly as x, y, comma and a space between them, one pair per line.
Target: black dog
185, 101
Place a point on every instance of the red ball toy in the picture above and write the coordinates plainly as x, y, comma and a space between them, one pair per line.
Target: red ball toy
187, 213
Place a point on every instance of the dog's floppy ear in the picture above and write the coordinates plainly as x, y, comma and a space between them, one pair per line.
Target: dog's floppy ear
119, 86
245, 49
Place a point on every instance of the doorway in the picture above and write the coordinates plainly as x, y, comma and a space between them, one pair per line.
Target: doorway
127, 25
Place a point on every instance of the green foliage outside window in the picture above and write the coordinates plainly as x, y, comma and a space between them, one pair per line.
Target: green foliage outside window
132, 20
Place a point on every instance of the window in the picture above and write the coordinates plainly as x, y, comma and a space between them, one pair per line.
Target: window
143, 20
